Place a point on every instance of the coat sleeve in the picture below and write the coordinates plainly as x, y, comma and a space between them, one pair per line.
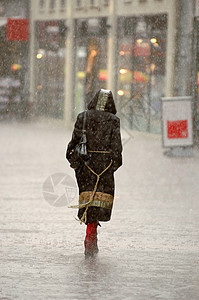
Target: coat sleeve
76, 136
116, 145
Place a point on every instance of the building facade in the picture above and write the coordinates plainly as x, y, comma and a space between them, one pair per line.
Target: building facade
127, 46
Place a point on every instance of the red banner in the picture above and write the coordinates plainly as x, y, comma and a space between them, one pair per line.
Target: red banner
17, 30
177, 129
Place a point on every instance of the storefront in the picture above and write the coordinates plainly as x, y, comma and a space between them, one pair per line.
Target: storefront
128, 47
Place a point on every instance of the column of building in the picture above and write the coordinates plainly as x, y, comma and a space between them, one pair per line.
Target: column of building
69, 65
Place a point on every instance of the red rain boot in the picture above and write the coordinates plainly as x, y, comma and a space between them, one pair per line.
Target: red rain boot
90, 242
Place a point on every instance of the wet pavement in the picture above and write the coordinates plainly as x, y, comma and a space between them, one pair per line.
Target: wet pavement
149, 250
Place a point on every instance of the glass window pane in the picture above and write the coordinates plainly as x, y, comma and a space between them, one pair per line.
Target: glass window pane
50, 61
141, 73
91, 61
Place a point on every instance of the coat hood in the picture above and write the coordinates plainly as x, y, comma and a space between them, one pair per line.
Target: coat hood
103, 100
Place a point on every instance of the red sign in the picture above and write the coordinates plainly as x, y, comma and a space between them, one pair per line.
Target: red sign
177, 129
17, 29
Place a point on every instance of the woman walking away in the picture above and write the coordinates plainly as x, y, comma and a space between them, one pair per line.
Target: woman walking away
95, 174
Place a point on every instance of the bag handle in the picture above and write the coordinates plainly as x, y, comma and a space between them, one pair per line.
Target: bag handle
84, 122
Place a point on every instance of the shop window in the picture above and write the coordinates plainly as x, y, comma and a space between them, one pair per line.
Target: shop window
49, 68
14, 76
91, 61
141, 71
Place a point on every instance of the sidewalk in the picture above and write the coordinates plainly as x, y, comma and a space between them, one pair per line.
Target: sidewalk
148, 251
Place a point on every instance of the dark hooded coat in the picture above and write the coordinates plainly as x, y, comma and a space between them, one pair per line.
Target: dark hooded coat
103, 134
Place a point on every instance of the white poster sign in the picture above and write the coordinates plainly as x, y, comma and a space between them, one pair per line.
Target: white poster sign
177, 121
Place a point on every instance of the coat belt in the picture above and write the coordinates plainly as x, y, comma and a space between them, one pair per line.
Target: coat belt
100, 199
99, 151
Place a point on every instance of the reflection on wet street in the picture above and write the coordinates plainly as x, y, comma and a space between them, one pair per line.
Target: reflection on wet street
149, 250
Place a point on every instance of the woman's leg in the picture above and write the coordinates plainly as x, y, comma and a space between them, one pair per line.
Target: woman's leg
91, 239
